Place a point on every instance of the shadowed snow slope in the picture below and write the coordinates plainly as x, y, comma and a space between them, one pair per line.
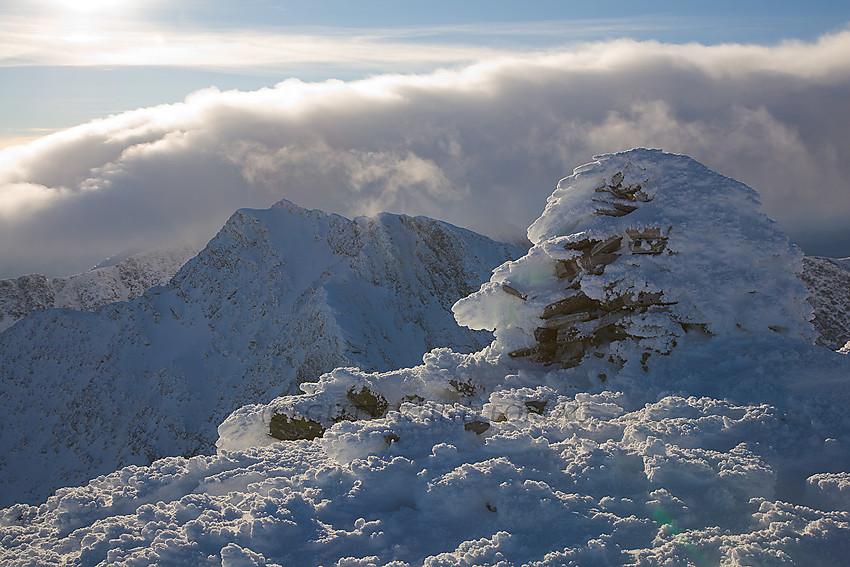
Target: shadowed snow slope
681, 435
99, 286
277, 297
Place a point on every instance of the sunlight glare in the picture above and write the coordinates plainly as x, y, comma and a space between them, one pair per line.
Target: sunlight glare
91, 6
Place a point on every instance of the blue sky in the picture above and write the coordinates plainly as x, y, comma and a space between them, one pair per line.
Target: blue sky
128, 125
63, 62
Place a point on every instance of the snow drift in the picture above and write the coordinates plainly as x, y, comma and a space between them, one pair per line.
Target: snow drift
700, 428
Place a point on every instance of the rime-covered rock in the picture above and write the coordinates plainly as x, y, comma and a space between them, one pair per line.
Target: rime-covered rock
633, 252
828, 283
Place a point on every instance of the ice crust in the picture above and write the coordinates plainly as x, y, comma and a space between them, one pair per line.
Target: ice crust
730, 447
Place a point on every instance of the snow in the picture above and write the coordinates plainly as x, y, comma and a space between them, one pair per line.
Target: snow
106, 283
728, 445
594, 478
278, 297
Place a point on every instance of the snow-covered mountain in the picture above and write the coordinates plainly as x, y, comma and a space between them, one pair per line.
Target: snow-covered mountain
651, 398
828, 282
120, 281
279, 296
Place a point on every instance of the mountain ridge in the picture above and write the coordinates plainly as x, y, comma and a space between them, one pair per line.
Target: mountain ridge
121, 281
619, 417
279, 296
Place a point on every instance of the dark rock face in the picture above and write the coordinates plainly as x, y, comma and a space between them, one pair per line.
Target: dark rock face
572, 325
21, 296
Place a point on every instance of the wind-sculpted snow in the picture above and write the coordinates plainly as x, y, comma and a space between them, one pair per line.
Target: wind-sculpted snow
729, 447
121, 281
715, 469
278, 297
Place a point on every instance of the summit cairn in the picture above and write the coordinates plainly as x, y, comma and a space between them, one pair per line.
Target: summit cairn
632, 253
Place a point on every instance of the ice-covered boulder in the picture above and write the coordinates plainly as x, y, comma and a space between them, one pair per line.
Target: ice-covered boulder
634, 252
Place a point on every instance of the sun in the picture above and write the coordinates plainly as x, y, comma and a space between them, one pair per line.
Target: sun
89, 24
86, 21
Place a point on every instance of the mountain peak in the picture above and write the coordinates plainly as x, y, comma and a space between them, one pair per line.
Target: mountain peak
634, 252
277, 297
731, 450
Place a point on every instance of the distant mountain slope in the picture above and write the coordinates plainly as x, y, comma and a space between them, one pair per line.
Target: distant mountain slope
122, 281
279, 296
828, 282
651, 398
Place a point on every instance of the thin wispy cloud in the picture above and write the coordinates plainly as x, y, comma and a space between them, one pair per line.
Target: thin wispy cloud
29, 40
25, 43
480, 146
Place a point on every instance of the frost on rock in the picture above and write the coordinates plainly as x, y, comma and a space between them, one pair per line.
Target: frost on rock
634, 252
733, 449
828, 283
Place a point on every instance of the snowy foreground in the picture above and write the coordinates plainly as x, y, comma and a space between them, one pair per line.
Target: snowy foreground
652, 397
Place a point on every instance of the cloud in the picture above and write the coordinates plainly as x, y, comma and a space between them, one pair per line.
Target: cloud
43, 35
480, 146
40, 41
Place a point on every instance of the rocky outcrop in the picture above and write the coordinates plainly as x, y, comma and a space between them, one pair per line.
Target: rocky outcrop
632, 254
828, 283
576, 323
572, 325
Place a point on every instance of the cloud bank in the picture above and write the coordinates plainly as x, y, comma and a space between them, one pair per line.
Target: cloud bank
480, 146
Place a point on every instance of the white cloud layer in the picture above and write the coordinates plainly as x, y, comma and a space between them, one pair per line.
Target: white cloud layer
481, 146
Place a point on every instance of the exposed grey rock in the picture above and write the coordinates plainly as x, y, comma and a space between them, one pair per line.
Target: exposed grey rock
828, 283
